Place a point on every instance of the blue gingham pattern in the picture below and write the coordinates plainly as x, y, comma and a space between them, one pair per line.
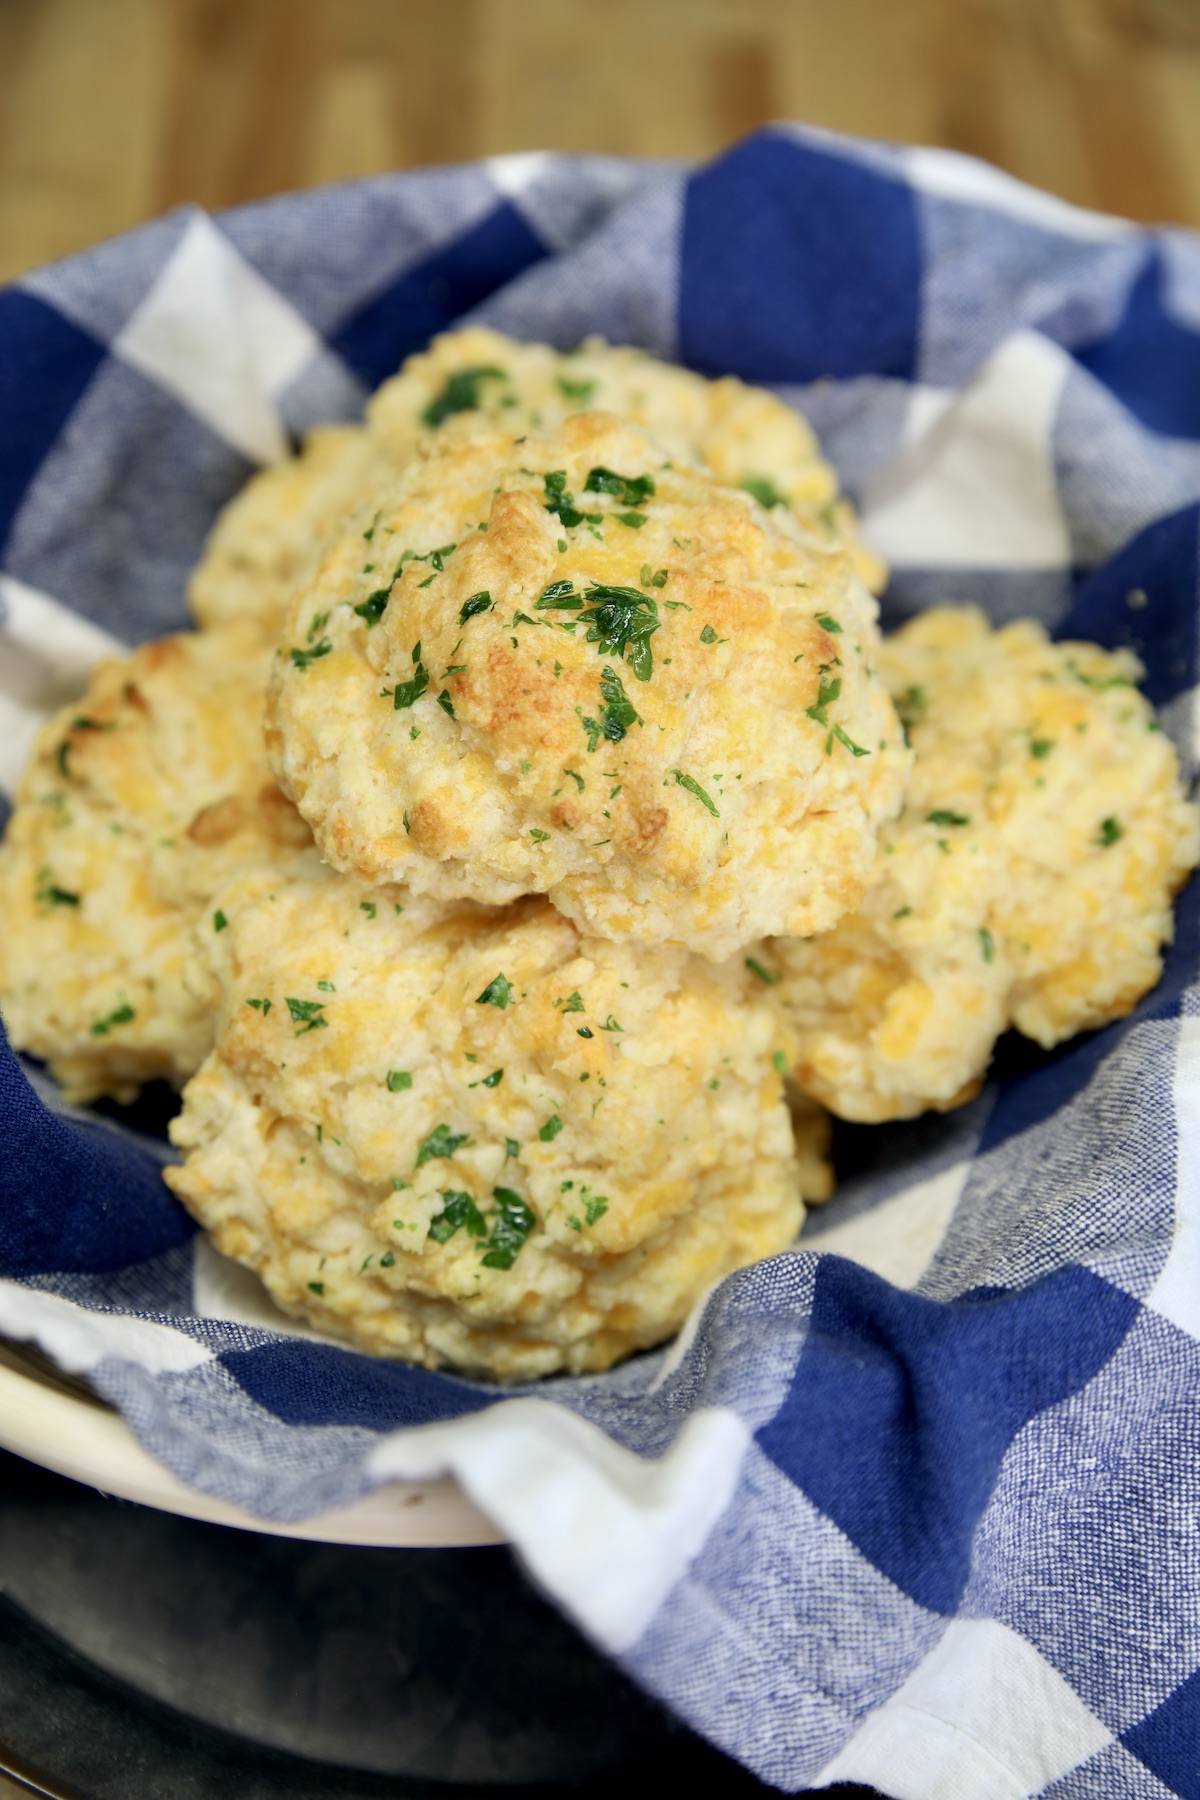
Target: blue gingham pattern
917, 1503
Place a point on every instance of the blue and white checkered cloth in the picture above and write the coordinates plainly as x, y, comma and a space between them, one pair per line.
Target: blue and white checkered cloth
917, 1504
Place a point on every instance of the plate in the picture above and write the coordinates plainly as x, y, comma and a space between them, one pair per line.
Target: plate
55, 1420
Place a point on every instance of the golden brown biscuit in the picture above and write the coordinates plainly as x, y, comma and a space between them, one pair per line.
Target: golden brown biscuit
1027, 882
142, 798
595, 676
268, 537
469, 1137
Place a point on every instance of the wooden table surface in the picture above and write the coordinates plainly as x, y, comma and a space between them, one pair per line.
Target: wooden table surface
113, 110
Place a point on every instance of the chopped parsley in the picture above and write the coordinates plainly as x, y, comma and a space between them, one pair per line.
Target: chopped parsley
407, 693
327, 987
843, 737
942, 816
708, 635
369, 907
693, 787
576, 390
910, 707
558, 596
511, 1148
48, 894
621, 621
594, 1209
1041, 748
573, 1003
498, 992
306, 1014
478, 603
577, 779
302, 658
538, 836
459, 1213
512, 1222
446, 703
120, 1016
632, 490
262, 1006
764, 491
388, 1259
779, 1058
440, 1142
583, 1032
610, 1024
493, 1080
372, 607
550, 1129
653, 577
769, 976
987, 944
827, 622
316, 1287
617, 713
560, 501
398, 1081
219, 921
461, 393
827, 693
1110, 830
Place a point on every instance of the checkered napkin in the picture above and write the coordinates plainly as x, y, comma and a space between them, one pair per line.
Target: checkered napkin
918, 1503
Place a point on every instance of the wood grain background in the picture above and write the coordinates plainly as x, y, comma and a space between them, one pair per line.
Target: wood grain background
113, 110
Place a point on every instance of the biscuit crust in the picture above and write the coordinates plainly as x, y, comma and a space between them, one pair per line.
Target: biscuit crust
584, 672
142, 798
476, 1138
1028, 881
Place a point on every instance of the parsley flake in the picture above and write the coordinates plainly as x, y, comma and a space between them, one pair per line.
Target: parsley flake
306, 1014
372, 607
827, 693
944, 817
369, 907
576, 390
764, 491
459, 1213
827, 622
621, 621
538, 836
461, 393
478, 603
398, 1081
120, 1016
987, 944
1108, 834
574, 1003
407, 693
262, 1006
440, 1142
769, 976
693, 787
629, 490
550, 1129
512, 1222
594, 1209
219, 921
498, 992
302, 658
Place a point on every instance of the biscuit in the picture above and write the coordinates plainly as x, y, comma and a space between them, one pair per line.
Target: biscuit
475, 1138
270, 534
1028, 881
142, 798
559, 664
